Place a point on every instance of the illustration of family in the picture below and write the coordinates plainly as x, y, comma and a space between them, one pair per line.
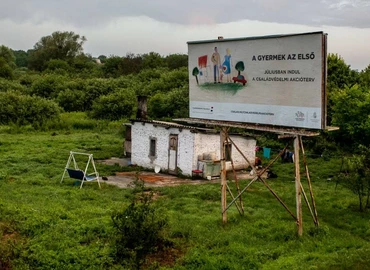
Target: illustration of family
221, 70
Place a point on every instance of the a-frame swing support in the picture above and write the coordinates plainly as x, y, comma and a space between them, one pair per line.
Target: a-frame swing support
78, 174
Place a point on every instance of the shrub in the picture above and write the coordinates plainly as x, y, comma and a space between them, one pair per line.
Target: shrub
48, 86
114, 106
139, 229
23, 109
5, 70
71, 100
6, 85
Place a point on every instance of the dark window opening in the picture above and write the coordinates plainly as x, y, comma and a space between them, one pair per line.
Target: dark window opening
227, 148
152, 149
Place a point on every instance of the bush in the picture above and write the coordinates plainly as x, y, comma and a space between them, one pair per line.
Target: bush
169, 105
71, 100
114, 106
48, 86
139, 229
5, 70
6, 85
23, 109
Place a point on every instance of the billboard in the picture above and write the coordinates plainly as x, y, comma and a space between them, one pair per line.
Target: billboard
273, 80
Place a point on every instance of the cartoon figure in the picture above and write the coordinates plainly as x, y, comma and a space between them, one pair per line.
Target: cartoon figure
226, 65
216, 60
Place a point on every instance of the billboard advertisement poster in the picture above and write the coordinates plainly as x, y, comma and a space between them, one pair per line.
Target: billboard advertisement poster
273, 80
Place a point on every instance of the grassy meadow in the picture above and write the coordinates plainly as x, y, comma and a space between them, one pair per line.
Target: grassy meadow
45, 224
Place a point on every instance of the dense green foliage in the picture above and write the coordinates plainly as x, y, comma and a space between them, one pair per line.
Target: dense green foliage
59, 45
23, 109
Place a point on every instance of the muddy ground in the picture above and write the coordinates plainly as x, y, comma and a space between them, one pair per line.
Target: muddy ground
152, 179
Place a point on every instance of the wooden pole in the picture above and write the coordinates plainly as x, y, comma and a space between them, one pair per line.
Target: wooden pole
223, 135
298, 185
232, 196
309, 183
235, 176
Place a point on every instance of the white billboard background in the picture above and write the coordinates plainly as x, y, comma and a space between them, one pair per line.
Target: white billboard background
284, 81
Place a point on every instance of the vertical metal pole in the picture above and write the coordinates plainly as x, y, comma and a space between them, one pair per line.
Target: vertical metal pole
223, 174
298, 185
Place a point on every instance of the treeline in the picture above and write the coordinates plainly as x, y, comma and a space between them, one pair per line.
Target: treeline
56, 76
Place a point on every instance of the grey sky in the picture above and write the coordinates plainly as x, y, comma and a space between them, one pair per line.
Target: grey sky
353, 13
164, 26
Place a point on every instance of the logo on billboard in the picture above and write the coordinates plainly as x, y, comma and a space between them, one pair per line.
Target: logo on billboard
299, 116
314, 118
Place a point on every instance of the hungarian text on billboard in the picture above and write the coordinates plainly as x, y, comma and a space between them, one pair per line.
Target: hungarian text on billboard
274, 80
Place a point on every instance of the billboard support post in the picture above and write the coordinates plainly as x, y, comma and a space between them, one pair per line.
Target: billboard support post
223, 135
298, 189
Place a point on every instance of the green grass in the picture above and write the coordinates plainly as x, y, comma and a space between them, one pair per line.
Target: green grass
56, 225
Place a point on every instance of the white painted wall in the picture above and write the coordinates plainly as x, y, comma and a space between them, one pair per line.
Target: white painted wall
141, 135
190, 146
210, 143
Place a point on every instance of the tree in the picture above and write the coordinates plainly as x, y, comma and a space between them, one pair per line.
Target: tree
365, 77
5, 70
356, 176
131, 64
351, 110
7, 55
59, 45
153, 60
339, 73
175, 61
21, 58
340, 76
111, 66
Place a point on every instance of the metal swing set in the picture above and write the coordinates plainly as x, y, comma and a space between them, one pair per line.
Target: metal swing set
81, 175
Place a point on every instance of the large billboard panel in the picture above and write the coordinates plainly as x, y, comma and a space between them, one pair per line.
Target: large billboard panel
273, 80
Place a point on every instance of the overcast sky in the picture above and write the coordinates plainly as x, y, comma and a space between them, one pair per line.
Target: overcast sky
116, 27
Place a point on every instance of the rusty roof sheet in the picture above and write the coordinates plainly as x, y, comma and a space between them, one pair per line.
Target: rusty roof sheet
174, 125
258, 127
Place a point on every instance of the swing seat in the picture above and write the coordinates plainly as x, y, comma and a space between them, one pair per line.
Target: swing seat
80, 175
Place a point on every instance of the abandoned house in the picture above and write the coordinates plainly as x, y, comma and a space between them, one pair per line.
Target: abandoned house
181, 149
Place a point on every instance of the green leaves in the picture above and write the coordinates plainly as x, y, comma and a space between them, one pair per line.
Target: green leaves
59, 45
24, 109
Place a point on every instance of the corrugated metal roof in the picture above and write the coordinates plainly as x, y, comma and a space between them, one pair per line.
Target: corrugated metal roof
251, 126
174, 125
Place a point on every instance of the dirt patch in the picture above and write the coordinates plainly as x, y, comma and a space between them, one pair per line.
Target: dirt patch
152, 179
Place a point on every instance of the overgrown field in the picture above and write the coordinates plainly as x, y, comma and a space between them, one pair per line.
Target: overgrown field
45, 224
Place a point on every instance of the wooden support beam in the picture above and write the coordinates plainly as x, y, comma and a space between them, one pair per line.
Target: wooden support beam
316, 220
223, 136
308, 204
258, 177
241, 212
298, 186
235, 176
